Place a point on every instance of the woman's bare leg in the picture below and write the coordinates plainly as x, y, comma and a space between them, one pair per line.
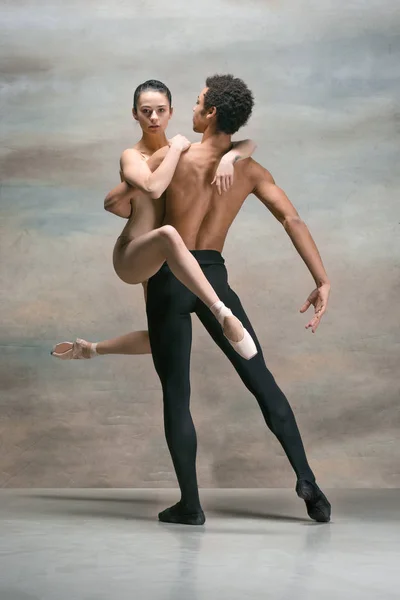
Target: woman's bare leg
141, 259
144, 256
135, 342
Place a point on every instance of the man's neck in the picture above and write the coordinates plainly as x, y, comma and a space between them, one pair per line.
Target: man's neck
220, 142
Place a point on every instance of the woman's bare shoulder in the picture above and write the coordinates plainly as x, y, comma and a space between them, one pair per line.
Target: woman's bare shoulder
132, 155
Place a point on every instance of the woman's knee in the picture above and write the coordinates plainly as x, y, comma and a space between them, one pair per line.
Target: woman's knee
169, 235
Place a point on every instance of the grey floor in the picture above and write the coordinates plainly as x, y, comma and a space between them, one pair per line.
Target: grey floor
107, 544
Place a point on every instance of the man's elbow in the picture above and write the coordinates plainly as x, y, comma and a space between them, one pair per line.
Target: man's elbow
108, 203
111, 202
291, 221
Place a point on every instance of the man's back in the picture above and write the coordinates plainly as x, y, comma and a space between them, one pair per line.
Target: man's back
194, 207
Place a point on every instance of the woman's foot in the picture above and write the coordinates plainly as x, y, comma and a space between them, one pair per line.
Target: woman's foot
233, 329
238, 337
74, 350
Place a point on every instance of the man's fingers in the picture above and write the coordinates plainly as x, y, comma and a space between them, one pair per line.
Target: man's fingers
219, 185
213, 181
315, 326
315, 321
305, 306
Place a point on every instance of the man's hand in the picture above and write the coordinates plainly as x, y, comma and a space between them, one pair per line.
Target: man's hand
319, 299
224, 176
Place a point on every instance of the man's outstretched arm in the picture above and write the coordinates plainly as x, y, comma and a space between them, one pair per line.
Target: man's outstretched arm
275, 199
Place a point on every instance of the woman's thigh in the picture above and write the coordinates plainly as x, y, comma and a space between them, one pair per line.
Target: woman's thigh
140, 258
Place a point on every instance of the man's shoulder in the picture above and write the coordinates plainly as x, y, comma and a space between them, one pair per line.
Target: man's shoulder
259, 170
254, 171
194, 156
193, 151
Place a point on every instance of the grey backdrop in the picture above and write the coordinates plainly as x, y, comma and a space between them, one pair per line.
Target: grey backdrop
325, 76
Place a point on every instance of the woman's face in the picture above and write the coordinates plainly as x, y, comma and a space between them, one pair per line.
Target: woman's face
153, 112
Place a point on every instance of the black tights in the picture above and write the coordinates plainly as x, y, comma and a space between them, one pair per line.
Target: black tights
169, 304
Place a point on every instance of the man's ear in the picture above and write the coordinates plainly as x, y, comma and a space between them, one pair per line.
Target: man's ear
211, 112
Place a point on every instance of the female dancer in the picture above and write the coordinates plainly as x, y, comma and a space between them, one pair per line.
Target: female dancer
144, 245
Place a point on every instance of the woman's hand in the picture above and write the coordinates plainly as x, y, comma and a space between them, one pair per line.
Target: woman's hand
224, 176
179, 142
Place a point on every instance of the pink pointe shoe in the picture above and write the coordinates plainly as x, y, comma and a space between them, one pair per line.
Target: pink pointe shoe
74, 350
246, 347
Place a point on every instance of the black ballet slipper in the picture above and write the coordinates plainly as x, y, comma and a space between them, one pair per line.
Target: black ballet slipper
318, 506
178, 514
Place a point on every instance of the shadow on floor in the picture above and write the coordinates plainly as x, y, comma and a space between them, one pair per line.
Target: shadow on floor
252, 514
147, 508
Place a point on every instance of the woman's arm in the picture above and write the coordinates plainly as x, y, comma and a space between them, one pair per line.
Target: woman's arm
240, 150
224, 175
136, 172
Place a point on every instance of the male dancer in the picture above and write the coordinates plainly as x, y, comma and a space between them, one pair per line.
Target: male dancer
203, 218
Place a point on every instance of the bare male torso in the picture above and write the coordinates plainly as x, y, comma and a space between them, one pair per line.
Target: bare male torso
194, 207
201, 216
191, 204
